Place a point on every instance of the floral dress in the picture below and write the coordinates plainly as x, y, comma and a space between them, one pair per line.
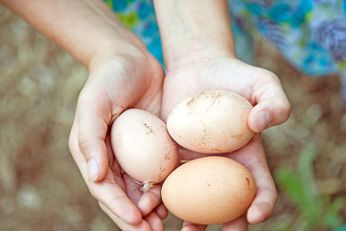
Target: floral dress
310, 34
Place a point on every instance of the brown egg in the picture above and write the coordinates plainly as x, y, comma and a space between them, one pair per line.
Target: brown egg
209, 190
142, 146
212, 122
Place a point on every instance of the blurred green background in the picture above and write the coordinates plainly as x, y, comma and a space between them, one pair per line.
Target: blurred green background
41, 188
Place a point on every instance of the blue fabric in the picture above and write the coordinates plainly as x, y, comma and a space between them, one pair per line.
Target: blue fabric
310, 34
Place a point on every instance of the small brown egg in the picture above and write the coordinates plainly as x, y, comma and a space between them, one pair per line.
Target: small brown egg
143, 147
209, 190
212, 122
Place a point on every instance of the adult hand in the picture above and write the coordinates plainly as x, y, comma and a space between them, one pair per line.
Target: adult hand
262, 88
117, 81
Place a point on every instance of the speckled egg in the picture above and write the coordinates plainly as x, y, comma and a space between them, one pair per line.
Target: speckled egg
212, 122
142, 146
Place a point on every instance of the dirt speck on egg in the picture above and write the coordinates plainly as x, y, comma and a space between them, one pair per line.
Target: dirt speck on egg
143, 147
212, 122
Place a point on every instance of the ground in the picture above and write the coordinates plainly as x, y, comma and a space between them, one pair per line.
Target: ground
41, 188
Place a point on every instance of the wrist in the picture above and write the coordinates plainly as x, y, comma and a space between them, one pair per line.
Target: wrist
193, 28
196, 51
126, 46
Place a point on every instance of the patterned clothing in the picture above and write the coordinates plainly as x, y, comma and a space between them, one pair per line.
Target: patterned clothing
139, 16
311, 34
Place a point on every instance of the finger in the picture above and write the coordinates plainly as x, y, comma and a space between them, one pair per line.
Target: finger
116, 201
161, 211
150, 199
188, 226
133, 188
114, 166
239, 224
154, 221
260, 210
272, 106
94, 119
106, 191
253, 157
142, 226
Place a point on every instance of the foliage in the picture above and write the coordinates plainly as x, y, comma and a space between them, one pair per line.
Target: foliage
298, 184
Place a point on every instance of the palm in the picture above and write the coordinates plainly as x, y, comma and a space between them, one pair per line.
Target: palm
222, 73
248, 81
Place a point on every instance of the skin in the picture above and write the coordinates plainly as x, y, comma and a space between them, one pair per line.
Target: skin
123, 74
201, 58
116, 87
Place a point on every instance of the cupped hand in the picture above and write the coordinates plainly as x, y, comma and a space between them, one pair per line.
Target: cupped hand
117, 81
263, 89
260, 86
253, 157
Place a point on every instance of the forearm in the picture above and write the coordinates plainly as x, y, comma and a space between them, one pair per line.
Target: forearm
82, 27
194, 26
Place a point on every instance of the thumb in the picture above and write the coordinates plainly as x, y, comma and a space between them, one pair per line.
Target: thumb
94, 116
272, 106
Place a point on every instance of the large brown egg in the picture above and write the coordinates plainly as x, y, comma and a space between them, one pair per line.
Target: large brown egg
209, 190
212, 122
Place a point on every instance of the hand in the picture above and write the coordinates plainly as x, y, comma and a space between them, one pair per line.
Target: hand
253, 157
192, 75
117, 81
262, 88
122, 74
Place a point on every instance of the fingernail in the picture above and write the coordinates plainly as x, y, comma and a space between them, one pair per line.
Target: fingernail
93, 171
263, 120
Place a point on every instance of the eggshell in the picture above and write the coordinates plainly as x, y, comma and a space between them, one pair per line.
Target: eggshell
212, 122
209, 190
142, 146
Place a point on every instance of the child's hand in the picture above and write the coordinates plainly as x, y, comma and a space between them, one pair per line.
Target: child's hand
262, 88
253, 157
117, 81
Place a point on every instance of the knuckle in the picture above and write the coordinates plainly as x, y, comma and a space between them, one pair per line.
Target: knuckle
269, 76
93, 193
82, 142
285, 109
117, 199
272, 76
270, 193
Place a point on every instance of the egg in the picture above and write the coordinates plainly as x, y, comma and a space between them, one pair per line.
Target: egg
143, 147
212, 122
209, 190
